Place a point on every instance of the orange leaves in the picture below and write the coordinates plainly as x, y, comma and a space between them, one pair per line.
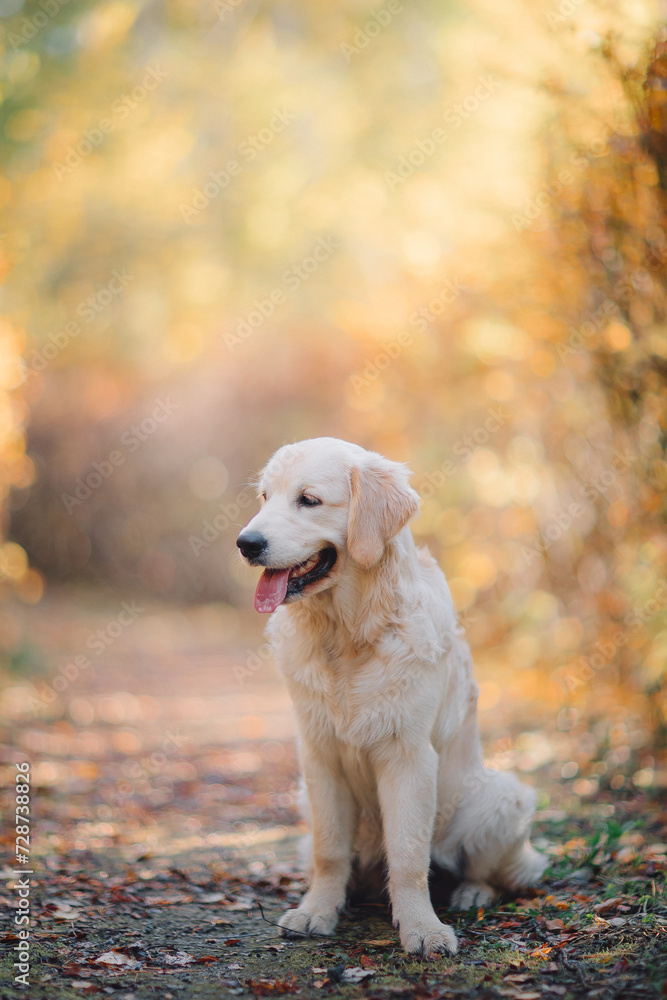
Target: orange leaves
272, 987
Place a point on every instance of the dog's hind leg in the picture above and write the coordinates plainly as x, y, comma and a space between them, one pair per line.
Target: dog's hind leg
491, 830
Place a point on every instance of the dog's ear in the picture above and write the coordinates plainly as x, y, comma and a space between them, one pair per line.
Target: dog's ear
381, 503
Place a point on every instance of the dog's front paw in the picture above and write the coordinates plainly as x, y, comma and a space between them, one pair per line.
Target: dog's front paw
471, 894
306, 919
429, 938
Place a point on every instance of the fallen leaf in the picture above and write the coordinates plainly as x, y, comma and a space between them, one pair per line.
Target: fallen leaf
554, 925
541, 952
116, 958
607, 904
62, 911
72, 969
208, 958
267, 987
178, 958
516, 995
164, 899
356, 975
380, 943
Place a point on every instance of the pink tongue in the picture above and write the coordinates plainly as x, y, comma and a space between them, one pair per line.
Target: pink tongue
271, 590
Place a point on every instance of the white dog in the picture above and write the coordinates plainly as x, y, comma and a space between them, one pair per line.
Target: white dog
366, 635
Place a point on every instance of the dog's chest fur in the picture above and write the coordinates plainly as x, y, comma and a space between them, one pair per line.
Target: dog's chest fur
357, 696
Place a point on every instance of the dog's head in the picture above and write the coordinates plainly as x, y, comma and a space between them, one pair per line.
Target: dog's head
324, 502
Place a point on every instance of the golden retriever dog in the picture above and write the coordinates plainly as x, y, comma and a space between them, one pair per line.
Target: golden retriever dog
365, 633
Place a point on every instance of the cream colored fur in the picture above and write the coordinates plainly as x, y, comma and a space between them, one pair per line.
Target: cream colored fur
381, 680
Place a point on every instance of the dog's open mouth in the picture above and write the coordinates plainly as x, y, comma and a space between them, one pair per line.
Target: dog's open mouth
277, 584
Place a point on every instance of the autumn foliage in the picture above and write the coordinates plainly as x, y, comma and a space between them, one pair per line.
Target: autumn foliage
440, 233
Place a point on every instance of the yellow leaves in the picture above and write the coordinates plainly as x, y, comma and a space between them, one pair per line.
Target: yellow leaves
12, 343
489, 693
492, 340
463, 592
500, 385
107, 25
483, 465
541, 606
617, 514
13, 561
560, 904
542, 952
542, 363
30, 587
618, 337
568, 633
480, 570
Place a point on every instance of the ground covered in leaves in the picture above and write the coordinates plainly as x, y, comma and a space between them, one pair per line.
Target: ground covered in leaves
161, 858
201, 923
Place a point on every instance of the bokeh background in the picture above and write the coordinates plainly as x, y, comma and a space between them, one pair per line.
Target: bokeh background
435, 228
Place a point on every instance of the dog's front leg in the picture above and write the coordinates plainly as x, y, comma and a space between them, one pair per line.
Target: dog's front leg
407, 791
334, 819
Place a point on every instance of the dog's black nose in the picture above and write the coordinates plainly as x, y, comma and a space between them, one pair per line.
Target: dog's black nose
251, 544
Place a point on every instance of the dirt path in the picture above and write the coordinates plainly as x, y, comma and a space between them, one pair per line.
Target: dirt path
164, 829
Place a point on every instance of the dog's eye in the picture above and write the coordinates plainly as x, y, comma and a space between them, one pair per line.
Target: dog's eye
306, 501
